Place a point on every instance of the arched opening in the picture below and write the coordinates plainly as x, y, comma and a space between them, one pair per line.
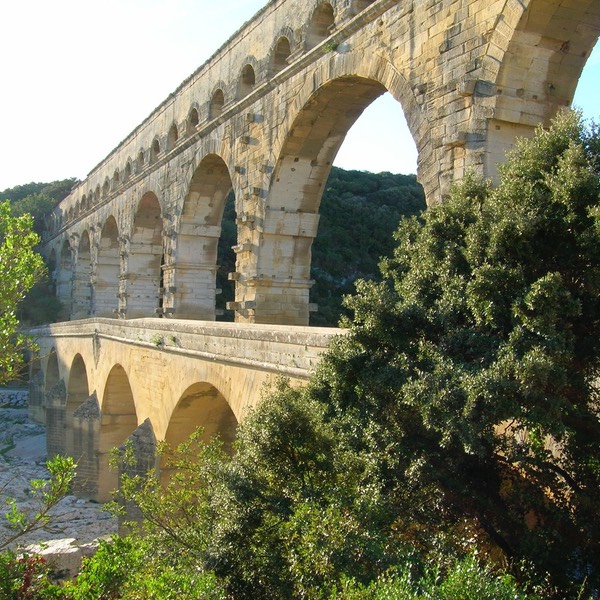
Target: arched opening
216, 104
247, 81
64, 280
52, 371
201, 405
77, 393
298, 182
281, 54
106, 187
359, 5
141, 157
197, 254
118, 421
192, 121
172, 137
144, 265
116, 179
82, 291
154, 151
106, 286
320, 26
127, 172
97, 194
539, 71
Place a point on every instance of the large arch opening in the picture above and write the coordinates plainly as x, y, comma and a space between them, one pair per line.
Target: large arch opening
106, 286
298, 183
144, 268
201, 405
81, 281
198, 252
64, 280
118, 421
540, 71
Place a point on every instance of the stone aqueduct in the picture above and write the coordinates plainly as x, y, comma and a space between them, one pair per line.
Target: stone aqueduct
264, 117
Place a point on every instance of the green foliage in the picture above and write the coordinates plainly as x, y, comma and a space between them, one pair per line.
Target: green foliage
476, 361
358, 214
37, 199
20, 268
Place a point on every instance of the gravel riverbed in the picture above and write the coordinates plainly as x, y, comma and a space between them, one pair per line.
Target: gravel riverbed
23, 458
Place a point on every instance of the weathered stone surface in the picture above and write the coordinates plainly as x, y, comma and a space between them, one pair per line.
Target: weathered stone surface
266, 115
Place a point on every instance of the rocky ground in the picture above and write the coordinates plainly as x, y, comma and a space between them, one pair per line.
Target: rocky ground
22, 458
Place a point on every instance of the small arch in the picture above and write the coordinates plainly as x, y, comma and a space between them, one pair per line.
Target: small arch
281, 54
141, 157
84, 203
172, 137
97, 193
154, 150
127, 172
118, 421
359, 5
52, 371
192, 121
105, 188
216, 104
116, 179
201, 405
321, 24
247, 81
77, 392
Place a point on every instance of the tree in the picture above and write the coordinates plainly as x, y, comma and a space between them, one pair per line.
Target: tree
20, 268
470, 374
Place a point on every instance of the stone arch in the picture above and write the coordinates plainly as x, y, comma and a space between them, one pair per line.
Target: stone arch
141, 157
116, 179
64, 279
106, 284
77, 392
117, 422
105, 187
82, 294
358, 5
217, 101
172, 137
321, 23
52, 371
195, 263
317, 130
127, 171
280, 54
542, 61
97, 194
247, 80
145, 258
154, 150
201, 405
193, 120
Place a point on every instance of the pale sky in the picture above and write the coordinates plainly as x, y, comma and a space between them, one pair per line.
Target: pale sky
78, 75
